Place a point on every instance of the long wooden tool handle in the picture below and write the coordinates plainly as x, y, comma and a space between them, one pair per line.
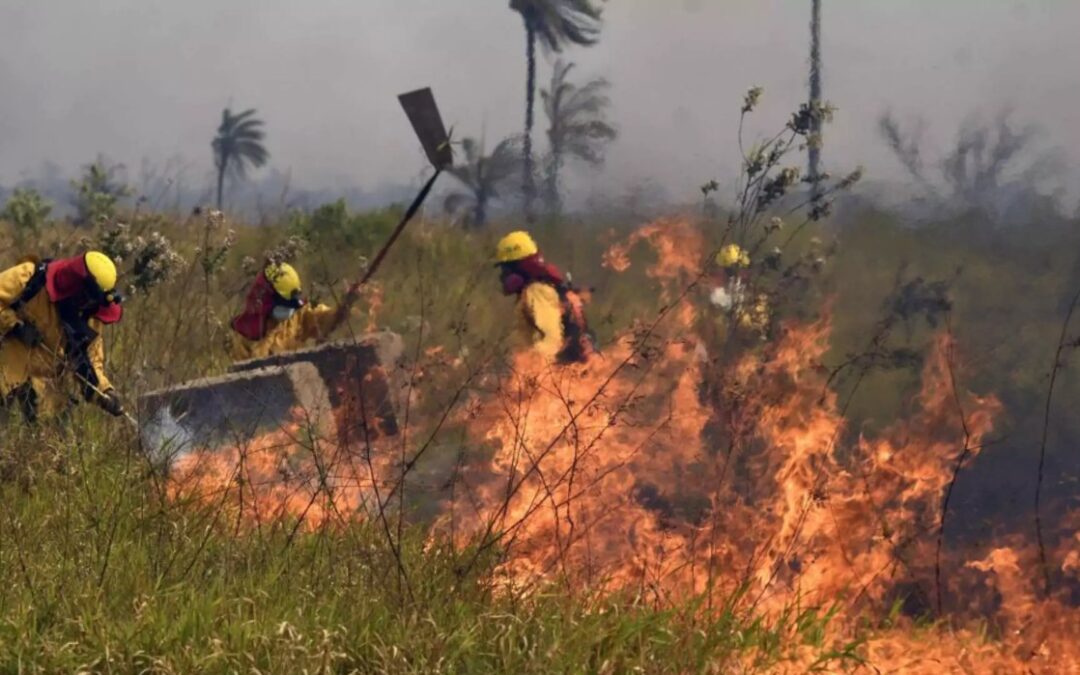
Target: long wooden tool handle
354, 291
413, 208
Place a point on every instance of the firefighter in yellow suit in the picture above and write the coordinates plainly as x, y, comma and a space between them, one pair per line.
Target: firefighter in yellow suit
51, 316
550, 314
277, 318
540, 318
751, 314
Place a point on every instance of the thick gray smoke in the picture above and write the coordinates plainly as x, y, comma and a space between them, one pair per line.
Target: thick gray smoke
146, 79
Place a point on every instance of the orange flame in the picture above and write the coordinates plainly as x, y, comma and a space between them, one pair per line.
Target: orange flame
677, 243
296, 474
675, 466
624, 474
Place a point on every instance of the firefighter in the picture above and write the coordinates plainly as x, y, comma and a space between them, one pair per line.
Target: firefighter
51, 316
277, 318
551, 316
731, 294
733, 262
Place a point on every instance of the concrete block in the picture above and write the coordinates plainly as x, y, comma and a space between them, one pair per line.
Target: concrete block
343, 391
361, 378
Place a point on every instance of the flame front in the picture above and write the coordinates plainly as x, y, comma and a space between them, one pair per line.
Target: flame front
669, 472
673, 467
299, 475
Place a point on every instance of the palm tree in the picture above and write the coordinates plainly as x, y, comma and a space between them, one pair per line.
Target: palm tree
483, 177
556, 23
237, 146
814, 151
577, 124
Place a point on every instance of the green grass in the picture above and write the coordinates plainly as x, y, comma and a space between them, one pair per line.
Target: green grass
99, 573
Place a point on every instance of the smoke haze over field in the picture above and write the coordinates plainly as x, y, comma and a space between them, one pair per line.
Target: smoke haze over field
141, 79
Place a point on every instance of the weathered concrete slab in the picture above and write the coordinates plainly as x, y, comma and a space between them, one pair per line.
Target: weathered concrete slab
361, 378
232, 409
343, 391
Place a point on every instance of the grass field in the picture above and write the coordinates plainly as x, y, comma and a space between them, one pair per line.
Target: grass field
101, 572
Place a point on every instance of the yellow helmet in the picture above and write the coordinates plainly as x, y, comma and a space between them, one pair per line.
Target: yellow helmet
284, 279
515, 246
732, 255
102, 269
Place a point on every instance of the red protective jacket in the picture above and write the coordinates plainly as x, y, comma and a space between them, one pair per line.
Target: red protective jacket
532, 269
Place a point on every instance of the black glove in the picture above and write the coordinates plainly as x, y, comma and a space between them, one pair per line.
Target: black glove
27, 333
110, 402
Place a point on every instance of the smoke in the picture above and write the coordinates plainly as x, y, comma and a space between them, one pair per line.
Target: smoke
998, 168
139, 79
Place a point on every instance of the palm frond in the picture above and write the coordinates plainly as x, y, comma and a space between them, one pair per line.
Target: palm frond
560, 23
484, 176
248, 129
577, 116
590, 99
577, 125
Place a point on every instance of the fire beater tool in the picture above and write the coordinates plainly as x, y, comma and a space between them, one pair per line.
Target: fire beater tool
423, 113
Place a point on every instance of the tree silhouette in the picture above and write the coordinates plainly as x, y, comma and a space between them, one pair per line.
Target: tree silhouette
555, 23
237, 146
814, 150
484, 177
577, 125
988, 166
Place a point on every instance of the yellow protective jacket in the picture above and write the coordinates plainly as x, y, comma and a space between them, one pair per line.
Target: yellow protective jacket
42, 366
306, 324
540, 318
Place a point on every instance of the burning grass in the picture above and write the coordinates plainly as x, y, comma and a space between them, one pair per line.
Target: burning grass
622, 475
680, 474
693, 499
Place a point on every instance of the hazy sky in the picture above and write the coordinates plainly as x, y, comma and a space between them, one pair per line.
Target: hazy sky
148, 78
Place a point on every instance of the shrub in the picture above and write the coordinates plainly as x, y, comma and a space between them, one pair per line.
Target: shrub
333, 225
27, 210
98, 193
